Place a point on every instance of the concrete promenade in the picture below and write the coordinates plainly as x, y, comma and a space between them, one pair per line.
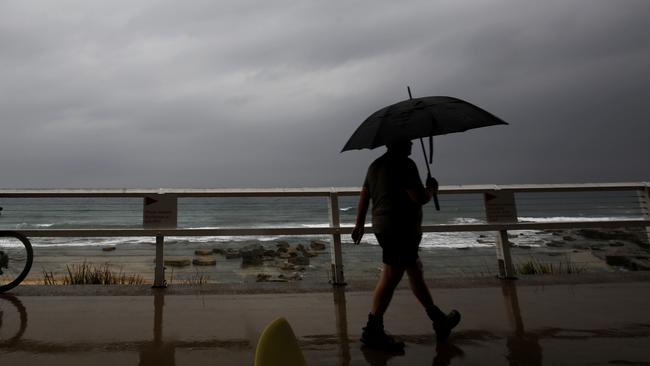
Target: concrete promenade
572, 320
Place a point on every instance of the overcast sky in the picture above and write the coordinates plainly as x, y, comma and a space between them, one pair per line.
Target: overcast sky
266, 93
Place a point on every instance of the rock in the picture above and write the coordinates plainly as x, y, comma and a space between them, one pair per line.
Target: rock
301, 260
616, 244
309, 253
203, 252
618, 260
232, 253
568, 238
282, 244
300, 248
595, 248
635, 236
294, 276
204, 261
293, 252
636, 263
286, 266
219, 251
318, 245
270, 253
463, 248
252, 255
524, 246
641, 263
177, 261
263, 277
109, 249
555, 244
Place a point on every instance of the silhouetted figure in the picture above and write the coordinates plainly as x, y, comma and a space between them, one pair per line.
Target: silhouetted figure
394, 186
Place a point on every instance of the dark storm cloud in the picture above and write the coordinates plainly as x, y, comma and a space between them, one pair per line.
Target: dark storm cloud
253, 93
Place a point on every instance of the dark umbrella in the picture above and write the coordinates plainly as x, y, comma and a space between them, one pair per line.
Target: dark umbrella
417, 118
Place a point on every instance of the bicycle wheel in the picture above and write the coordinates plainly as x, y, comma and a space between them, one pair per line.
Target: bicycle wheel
13, 320
16, 256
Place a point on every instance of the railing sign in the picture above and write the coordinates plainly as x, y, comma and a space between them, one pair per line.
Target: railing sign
159, 212
500, 207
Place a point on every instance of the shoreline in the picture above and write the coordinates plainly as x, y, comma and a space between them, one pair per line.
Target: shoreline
587, 250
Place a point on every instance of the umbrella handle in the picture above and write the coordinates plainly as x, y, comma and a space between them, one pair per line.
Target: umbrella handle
435, 192
435, 200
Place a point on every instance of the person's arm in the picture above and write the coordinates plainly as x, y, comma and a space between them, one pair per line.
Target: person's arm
416, 191
362, 210
422, 195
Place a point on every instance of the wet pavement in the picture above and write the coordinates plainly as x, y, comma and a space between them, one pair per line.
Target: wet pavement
566, 324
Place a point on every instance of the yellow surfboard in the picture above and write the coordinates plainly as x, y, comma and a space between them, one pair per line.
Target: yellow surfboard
278, 346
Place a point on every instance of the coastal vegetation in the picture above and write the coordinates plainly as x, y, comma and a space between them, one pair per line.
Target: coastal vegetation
533, 266
88, 274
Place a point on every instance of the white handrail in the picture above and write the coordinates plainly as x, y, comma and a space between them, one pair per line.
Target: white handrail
335, 230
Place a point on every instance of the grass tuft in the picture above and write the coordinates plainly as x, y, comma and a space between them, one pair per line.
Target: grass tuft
88, 274
534, 266
197, 279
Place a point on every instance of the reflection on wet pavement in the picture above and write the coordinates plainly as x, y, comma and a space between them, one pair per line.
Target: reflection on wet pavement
572, 325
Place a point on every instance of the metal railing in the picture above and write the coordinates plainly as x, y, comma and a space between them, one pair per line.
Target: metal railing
500, 211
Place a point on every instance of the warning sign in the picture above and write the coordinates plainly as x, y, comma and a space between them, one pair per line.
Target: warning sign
500, 207
160, 212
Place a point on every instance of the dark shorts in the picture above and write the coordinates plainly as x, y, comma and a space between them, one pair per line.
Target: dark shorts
399, 249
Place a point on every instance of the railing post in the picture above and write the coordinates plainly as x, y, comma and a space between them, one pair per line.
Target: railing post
159, 276
504, 259
500, 207
337, 256
644, 202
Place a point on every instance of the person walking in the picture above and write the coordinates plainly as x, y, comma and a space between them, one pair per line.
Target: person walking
393, 185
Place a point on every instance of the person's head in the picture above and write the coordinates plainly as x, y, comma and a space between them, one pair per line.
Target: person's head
400, 148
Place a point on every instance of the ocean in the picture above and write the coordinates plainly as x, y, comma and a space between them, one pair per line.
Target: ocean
237, 212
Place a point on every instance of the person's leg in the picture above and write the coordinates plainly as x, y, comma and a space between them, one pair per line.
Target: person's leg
442, 323
418, 286
373, 334
390, 278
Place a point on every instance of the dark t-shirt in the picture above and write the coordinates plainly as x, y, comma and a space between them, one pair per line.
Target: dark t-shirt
388, 179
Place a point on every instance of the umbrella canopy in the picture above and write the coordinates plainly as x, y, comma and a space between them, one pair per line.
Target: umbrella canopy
419, 117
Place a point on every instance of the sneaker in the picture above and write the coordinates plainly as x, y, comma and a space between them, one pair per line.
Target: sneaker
444, 326
378, 339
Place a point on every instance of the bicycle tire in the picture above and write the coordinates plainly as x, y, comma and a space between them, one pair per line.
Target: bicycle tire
29, 258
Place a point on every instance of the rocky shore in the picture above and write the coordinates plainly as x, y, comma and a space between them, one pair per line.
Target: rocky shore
290, 260
308, 259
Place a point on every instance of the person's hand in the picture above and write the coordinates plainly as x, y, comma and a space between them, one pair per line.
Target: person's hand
432, 183
357, 234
